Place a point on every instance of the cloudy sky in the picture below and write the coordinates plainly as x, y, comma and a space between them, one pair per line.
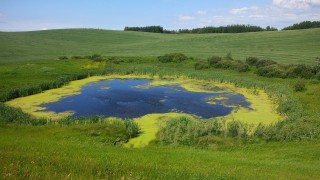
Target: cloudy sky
26, 15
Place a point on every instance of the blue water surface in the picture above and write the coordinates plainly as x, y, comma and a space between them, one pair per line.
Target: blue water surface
122, 98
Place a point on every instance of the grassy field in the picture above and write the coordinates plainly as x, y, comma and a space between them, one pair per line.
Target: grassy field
283, 46
69, 152
81, 151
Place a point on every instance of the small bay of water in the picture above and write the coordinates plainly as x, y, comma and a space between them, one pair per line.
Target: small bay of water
124, 99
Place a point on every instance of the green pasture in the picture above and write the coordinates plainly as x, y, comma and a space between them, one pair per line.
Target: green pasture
283, 46
71, 152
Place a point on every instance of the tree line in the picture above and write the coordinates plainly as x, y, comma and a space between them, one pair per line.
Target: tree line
153, 29
236, 28
304, 25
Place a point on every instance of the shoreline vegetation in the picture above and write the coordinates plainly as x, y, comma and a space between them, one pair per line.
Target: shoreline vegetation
262, 113
288, 106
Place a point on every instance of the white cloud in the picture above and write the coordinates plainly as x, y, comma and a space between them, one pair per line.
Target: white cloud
296, 4
201, 12
239, 10
186, 18
244, 10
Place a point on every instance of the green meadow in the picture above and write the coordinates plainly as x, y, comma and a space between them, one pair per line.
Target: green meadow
95, 148
283, 46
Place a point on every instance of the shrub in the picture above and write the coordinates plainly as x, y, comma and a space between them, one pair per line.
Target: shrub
272, 71
173, 57
243, 67
214, 60
232, 64
252, 61
229, 56
77, 57
63, 57
165, 59
263, 63
96, 57
300, 70
318, 76
302, 129
299, 86
201, 65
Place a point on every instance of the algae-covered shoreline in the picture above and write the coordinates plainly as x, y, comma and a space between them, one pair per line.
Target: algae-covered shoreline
262, 109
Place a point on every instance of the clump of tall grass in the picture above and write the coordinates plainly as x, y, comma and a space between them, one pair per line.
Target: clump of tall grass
10, 115
30, 90
203, 133
110, 131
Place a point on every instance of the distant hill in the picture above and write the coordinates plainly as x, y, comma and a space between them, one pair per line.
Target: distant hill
301, 46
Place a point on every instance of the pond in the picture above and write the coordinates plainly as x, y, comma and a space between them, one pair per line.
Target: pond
131, 98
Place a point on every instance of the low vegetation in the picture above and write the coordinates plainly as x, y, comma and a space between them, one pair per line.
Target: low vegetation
173, 57
262, 67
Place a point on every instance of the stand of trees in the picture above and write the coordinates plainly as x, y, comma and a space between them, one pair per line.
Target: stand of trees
304, 25
237, 28
153, 29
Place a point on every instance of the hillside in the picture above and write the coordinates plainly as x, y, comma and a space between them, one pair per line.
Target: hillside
299, 46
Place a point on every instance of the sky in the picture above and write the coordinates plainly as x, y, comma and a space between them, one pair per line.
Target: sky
28, 15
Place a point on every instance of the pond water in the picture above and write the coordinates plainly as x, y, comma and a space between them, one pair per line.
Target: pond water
131, 98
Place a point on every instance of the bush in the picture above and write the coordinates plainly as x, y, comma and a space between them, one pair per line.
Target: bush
272, 71
252, 61
305, 128
232, 64
214, 60
300, 70
96, 57
243, 68
173, 57
299, 86
229, 56
318, 76
63, 57
263, 63
77, 57
201, 65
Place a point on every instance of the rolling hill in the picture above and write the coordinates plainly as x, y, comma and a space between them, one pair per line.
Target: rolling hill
299, 46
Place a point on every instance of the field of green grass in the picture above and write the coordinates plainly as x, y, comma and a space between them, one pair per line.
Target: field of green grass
80, 151
70, 152
284, 46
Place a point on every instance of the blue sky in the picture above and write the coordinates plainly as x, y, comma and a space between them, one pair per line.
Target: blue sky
26, 15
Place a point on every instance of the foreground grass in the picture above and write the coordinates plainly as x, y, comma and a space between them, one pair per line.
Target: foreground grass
67, 152
73, 152
284, 46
